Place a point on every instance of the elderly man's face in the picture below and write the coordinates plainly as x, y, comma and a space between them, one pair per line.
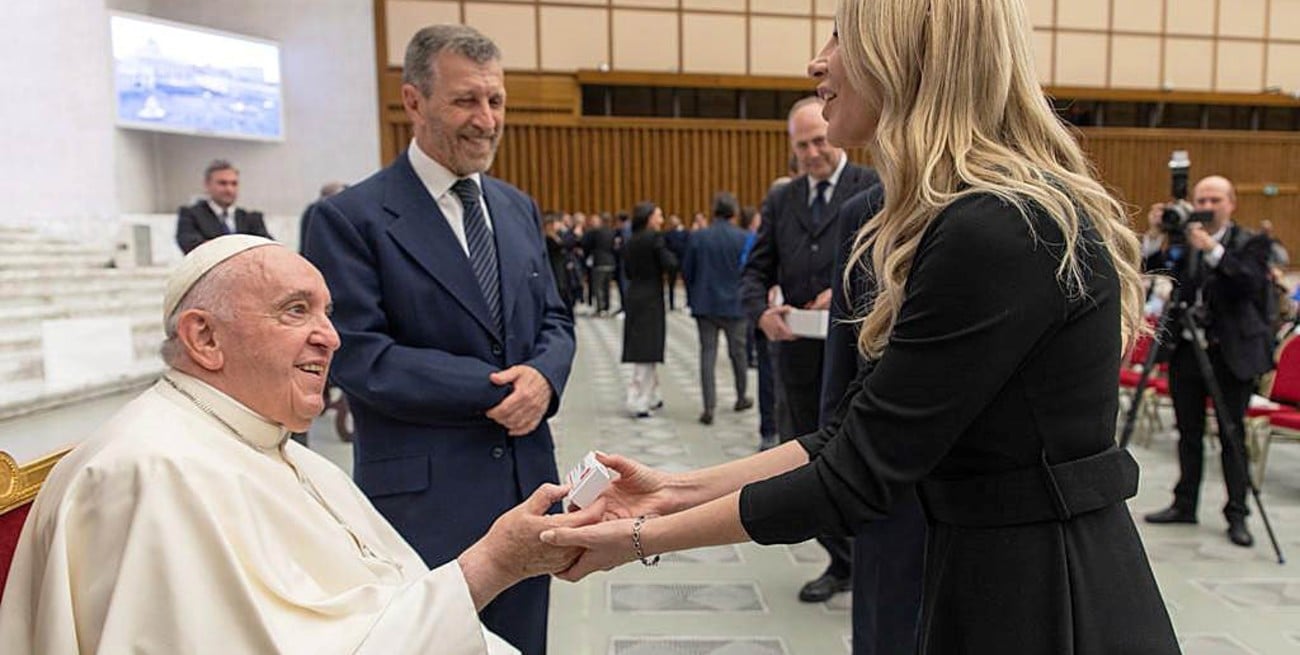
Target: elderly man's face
459, 123
808, 139
280, 343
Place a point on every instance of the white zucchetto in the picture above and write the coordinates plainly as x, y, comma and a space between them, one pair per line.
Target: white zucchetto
203, 259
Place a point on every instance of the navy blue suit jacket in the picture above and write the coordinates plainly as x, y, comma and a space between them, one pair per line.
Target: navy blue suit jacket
712, 270
419, 344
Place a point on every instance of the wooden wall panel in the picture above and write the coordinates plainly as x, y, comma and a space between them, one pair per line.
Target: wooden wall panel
609, 164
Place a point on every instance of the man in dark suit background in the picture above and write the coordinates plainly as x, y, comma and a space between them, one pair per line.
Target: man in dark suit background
1226, 269
456, 345
889, 554
796, 250
711, 267
217, 215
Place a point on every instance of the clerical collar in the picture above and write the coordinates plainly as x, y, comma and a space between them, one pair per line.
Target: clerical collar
244, 424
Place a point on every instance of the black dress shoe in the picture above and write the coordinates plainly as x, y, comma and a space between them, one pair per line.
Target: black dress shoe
821, 589
1238, 534
1172, 515
743, 404
706, 418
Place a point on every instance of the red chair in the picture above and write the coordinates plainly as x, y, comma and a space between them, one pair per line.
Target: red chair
18, 487
1157, 386
1283, 421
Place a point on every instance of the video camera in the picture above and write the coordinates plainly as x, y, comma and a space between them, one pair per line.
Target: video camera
1179, 214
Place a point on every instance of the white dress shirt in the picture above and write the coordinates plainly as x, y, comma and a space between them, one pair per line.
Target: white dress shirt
225, 215
834, 179
438, 181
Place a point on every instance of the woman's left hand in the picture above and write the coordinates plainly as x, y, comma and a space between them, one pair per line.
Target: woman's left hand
607, 544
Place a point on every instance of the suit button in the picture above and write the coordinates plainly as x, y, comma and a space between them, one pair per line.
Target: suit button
498, 452
496, 349
815, 247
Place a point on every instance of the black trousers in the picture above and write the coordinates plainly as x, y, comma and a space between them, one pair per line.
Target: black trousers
800, 363
1189, 392
888, 575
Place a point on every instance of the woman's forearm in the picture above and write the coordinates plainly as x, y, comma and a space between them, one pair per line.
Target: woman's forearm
704, 485
714, 523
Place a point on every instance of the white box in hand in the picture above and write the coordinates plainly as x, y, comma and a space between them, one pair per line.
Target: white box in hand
809, 323
587, 481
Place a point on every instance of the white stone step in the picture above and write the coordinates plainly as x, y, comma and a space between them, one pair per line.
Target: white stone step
52, 248
49, 291
31, 396
28, 337
80, 307
43, 275
26, 361
25, 261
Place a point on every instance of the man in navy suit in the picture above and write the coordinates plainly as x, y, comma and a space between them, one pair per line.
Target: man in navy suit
712, 271
889, 554
455, 343
217, 214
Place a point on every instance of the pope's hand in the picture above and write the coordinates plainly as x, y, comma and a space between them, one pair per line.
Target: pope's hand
638, 490
512, 550
523, 409
604, 546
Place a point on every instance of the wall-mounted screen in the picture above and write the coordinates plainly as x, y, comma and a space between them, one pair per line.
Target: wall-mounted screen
171, 77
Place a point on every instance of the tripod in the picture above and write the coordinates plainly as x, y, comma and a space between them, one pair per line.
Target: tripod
1178, 310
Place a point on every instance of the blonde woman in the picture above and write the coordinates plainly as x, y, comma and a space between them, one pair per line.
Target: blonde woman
1007, 288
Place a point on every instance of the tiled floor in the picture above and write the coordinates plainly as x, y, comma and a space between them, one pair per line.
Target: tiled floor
741, 600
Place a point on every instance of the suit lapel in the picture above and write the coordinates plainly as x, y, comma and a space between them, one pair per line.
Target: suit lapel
509, 229
848, 180
802, 208
214, 226
421, 229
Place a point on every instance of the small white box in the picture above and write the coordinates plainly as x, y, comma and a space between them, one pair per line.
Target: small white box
809, 323
588, 480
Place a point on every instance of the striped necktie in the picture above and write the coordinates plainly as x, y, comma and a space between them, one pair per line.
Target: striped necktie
482, 248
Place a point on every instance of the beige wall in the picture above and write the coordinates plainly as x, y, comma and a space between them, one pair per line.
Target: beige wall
755, 37
1185, 45
1224, 46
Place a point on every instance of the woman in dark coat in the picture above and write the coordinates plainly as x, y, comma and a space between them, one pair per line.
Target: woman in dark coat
1006, 288
646, 262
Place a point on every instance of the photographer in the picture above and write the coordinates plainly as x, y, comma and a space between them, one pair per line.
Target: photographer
1223, 274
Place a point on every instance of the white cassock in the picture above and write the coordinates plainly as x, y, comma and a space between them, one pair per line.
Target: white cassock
188, 524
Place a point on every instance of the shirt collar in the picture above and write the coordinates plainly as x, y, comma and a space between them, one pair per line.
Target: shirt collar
251, 427
216, 209
834, 179
436, 177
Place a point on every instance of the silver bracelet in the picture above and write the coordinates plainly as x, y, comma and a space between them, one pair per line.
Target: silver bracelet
636, 541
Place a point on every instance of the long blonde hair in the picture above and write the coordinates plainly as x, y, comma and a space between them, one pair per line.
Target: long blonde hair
961, 112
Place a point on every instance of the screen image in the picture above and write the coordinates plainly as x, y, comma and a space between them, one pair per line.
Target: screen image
170, 77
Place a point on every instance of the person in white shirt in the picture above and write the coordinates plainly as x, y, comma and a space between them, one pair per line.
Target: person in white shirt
190, 523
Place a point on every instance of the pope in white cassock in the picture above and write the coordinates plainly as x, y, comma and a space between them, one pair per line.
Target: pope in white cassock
190, 523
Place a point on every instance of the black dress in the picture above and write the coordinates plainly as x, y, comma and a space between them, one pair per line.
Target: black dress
646, 260
995, 391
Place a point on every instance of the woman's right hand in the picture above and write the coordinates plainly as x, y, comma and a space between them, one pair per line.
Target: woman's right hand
638, 490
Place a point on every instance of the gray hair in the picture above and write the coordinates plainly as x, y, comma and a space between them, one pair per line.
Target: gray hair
428, 43
801, 103
210, 293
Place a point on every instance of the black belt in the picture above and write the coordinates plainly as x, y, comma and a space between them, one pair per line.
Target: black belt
1050, 492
